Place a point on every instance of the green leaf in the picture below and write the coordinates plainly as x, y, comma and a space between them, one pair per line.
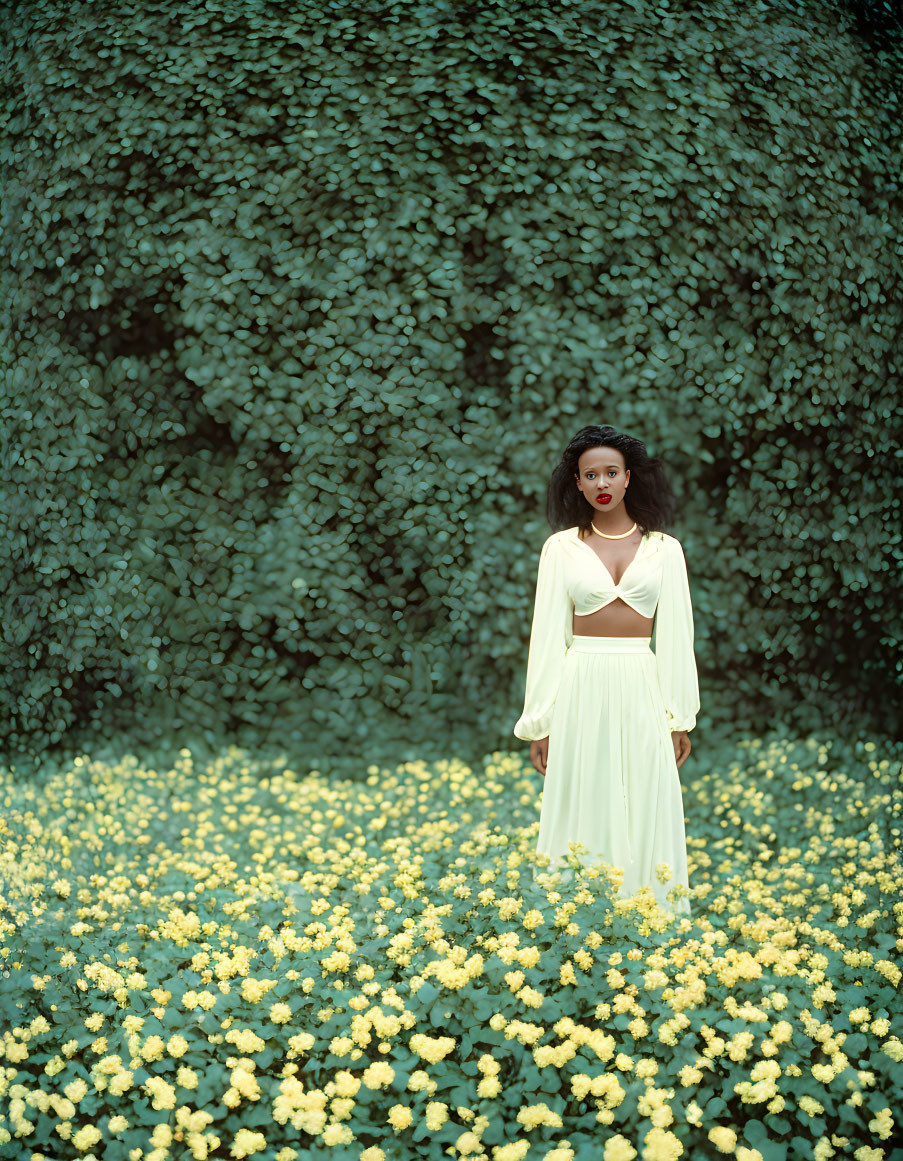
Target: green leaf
425, 994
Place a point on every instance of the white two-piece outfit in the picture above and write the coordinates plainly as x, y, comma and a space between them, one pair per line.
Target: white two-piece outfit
608, 706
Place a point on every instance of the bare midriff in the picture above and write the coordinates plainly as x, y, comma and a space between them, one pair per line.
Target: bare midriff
617, 618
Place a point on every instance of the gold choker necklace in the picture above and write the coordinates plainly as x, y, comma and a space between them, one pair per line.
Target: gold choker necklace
608, 536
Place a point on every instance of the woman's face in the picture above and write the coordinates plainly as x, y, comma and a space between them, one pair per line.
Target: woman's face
603, 478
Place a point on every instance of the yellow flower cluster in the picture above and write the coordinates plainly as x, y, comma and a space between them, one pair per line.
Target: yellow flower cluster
245, 1040
454, 975
489, 1086
431, 1048
532, 1116
434, 943
253, 990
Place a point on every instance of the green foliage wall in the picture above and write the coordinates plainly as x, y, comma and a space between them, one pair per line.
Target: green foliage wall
303, 307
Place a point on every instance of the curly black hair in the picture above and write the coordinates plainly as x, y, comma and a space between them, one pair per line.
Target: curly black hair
649, 499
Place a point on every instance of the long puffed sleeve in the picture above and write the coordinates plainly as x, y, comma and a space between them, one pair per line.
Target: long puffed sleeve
675, 660
550, 635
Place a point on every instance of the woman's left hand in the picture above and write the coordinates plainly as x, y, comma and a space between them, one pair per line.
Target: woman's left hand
682, 747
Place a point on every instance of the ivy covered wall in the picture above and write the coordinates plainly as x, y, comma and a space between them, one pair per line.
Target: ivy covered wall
303, 303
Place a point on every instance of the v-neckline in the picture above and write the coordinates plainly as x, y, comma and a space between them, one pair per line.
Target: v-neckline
616, 584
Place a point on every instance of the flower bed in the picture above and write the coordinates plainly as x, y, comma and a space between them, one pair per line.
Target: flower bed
234, 959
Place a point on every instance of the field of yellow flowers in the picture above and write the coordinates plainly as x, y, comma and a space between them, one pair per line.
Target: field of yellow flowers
231, 958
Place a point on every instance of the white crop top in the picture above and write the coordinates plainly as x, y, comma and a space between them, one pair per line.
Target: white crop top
573, 579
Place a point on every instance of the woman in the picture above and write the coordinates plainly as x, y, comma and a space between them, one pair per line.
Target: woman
607, 717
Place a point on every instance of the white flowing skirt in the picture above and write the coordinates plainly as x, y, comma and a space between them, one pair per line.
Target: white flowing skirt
611, 777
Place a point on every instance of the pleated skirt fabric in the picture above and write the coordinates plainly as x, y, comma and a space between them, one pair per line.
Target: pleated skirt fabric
611, 778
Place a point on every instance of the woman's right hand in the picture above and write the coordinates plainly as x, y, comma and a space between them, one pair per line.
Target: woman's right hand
539, 753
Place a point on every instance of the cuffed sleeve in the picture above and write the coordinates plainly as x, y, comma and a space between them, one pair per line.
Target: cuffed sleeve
551, 634
674, 656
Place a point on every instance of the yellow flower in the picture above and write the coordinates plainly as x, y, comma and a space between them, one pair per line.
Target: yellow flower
247, 1142
87, 1136
335, 1134
161, 1137
467, 1142
618, 1148
251, 989
781, 1032
431, 1048
377, 1074
882, 1124
562, 1153
245, 1040
661, 1146
154, 1048
301, 1042
533, 1115
280, 1013
346, 1083
516, 1151
823, 994
177, 1046
528, 957
436, 1115
652, 1104
723, 1138
580, 1085
75, 1091
765, 1070
489, 1088
566, 973
758, 1093
524, 1032
163, 1095
739, 1045
400, 1117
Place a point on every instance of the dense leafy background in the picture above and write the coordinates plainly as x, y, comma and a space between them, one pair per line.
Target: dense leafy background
303, 304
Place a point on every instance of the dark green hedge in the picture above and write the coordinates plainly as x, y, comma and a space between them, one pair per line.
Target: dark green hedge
302, 306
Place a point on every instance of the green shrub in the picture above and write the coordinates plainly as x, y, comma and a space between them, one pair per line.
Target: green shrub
302, 311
